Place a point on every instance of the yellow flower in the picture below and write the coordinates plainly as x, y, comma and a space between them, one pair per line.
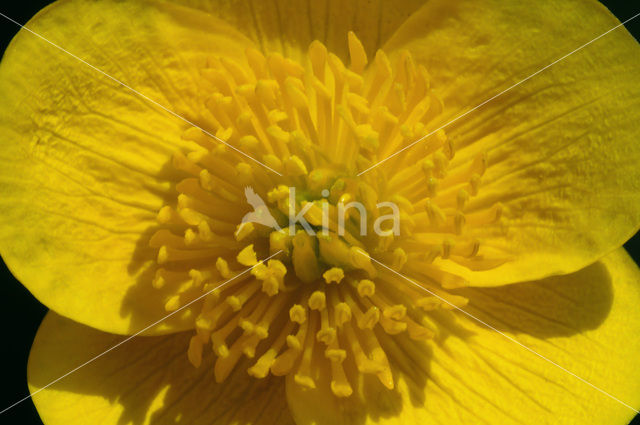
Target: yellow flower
497, 294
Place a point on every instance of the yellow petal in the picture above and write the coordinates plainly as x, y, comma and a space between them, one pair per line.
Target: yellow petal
289, 26
586, 322
562, 147
145, 380
83, 160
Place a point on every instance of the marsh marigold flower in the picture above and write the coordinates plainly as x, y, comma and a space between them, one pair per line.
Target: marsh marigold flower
444, 268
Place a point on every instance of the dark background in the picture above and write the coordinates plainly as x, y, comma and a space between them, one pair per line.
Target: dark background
21, 313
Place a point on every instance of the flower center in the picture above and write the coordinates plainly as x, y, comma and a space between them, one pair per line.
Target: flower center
320, 302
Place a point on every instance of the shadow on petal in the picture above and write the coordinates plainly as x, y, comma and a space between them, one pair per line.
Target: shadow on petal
470, 372
146, 380
558, 306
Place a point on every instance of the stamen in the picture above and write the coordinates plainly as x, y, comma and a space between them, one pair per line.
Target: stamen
322, 304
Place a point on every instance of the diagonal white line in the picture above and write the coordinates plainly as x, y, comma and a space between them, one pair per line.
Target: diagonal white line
136, 334
504, 335
497, 95
148, 99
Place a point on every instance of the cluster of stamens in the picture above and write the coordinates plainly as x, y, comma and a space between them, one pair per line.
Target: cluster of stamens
321, 302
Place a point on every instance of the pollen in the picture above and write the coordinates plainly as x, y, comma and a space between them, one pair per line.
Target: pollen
283, 233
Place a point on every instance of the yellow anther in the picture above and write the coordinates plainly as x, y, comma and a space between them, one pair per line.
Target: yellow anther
190, 237
244, 230
399, 259
165, 214
395, 312
391, 326
298, 314
340, 389
454, 301
366, 288
234, 302
272, 276
317, 301
261, 368
318, 57
278, 134
249, 143
158, 281
407, 132
261, 331
247, 326
278, 193
225, 133
335, 354
367, 137
429, 303
196, 276
361, 260
163, 255
260, 271
326, 336
383, 66
173, 303
276, 116
357, 54
204, 231
280, 241
294, 166
273, 161
270, 286
334, 274
223, 268
277, 268
245, 120
247, 257
204, 323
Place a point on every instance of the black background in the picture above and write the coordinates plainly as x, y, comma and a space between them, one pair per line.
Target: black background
21, 313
